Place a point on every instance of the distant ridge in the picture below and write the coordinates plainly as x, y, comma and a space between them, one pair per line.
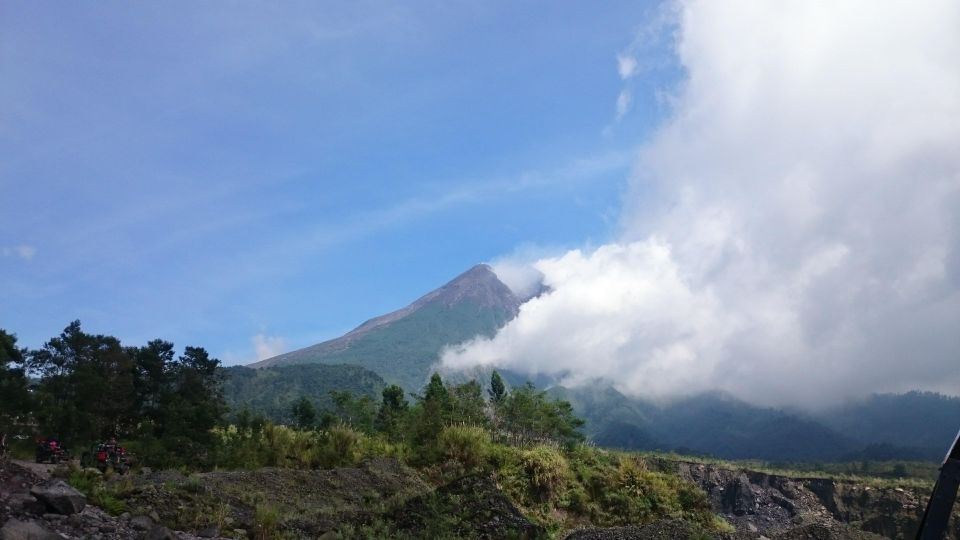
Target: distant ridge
403, 348
403, 345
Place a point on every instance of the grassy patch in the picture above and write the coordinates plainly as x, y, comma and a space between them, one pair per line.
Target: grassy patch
266, 523
469, 445
879, 474
106, 495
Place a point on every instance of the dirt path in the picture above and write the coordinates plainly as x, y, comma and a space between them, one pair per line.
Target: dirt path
40, 469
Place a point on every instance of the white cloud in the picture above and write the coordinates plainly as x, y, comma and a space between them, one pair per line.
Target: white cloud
803, 243
24, 252
518, 274
268, 346
626, 65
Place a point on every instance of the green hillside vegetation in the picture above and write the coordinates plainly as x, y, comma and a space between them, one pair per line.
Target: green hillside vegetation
404, 351
518, 445
90, 387
462, 448
273, 391
453, 435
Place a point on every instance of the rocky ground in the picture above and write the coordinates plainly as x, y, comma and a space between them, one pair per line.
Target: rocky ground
767, 506
34, 506
775, 505
345, 502
354, 502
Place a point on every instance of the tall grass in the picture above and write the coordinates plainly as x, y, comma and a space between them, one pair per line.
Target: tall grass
266, 523
468, 445
547, 471
106, 495
281, 446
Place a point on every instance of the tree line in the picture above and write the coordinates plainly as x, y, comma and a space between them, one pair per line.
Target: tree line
521, 415
82, 388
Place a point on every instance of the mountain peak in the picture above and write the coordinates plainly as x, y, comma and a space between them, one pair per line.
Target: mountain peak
474, 303
479, 284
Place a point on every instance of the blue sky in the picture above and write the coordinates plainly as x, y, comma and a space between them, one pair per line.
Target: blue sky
210, 172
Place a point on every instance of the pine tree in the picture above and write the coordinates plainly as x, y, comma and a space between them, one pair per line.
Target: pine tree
392, 411
497, 389
14, 397
304, 413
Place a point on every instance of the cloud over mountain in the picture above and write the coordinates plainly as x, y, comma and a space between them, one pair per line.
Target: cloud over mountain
792, 232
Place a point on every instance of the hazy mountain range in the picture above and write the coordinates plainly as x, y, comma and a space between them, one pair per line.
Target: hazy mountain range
403, 348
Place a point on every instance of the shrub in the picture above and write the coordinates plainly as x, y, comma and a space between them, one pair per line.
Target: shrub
109, 503
266, 523
468, 445
380, 446
84, 481
341, 446
90, 483
721, 525
194, 485
547, 471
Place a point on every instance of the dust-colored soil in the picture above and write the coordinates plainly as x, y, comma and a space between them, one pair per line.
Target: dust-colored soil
41, 470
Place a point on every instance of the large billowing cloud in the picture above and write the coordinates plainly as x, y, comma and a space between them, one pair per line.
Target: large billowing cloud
792, 233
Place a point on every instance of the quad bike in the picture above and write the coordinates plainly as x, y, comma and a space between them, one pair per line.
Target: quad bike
107, 456
50, 451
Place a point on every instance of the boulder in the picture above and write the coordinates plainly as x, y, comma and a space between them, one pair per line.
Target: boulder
26, 503
739, 498
14, 529
141, 523
209, 532
59, 497
159, 532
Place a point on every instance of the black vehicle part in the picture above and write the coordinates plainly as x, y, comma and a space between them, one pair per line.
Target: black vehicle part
935, 518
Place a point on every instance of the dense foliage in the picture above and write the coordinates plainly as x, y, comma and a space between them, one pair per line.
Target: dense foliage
14, 398
521, 442
273, 391
90, 387
528, 443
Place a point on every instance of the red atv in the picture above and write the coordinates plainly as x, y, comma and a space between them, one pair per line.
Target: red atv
108, 455
50, 451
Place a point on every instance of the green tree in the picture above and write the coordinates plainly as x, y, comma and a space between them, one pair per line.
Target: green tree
304, 413
152, 384
466, 404
498, 390
393, 411
14, 397
530, 415
359, 412
86, 390
431, 413
195, 403
436, 391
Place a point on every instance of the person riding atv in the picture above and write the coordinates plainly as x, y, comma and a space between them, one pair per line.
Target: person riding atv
50, 450
107, 455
